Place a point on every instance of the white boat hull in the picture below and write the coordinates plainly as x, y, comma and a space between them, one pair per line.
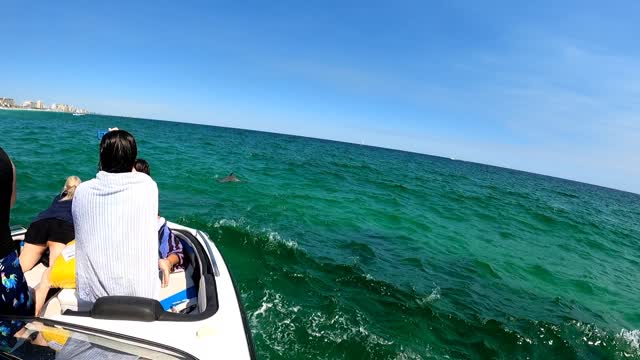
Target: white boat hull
224, 334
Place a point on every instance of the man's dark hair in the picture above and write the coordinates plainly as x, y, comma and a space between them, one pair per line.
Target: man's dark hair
118, 152
141, 165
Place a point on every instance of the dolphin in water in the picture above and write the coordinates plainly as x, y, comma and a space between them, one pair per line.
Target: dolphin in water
229, 178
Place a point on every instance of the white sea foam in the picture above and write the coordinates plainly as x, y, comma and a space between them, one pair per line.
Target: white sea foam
408, 355
276, 321
434, 296
594, 336
262, 310
340, 327
369, 276
265, 305
631, 337
591, 333
269, 300
226, 222
274, 237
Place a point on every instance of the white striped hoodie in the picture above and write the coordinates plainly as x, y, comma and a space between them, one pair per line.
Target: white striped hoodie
115, 219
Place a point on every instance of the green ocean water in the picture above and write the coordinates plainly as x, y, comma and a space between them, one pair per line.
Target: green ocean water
354, 252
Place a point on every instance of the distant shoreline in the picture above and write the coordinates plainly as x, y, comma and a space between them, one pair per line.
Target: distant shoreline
41, 110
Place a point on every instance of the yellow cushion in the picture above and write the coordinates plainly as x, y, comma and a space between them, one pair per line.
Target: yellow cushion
63, 271
56, 338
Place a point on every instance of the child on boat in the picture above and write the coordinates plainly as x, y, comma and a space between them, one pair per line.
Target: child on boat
170, 248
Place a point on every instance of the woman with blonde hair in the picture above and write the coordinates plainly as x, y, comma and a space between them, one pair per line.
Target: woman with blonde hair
52, 229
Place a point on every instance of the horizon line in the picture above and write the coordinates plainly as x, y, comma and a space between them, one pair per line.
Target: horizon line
376, 147
353, 143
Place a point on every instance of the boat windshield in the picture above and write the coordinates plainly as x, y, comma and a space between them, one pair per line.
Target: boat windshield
46, 339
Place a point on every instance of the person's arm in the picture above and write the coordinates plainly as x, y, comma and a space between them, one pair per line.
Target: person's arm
165, 267
13, 193
173, 260
173, 246
174, 257
175, 250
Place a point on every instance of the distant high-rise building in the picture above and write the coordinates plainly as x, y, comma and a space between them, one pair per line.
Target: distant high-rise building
7, 102
40, 105
63, 107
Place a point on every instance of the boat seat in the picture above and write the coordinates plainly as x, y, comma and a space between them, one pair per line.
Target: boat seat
34, 275
192, 264
180, 294
68, 300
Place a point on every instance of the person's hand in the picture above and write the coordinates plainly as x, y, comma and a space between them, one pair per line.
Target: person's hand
113, 129
165, 266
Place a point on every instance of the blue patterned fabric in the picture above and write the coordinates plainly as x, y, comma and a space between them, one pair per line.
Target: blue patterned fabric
14, 292
14, 299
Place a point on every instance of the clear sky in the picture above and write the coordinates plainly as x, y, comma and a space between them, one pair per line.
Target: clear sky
549, 87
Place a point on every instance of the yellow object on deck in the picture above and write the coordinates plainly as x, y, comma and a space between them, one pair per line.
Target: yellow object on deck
56, 338
63, 271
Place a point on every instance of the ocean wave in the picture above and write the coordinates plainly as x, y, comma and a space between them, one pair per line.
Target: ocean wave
413, 262
266, 237
326, 319
434, 296
359, 250
339, 326
578, 338
566, 194
631, 337
275, 238
279, 333
280, 324
226, 222
273, 300
343, 165
408, 355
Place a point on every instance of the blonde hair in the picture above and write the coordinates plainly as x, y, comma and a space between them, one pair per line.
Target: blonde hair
70, 187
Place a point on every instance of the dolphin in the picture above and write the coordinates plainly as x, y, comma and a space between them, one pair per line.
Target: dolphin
229, 178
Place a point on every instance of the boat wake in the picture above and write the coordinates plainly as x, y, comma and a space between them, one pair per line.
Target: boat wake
302, 305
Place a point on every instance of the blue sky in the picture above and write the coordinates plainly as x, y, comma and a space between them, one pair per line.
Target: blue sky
551, 87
